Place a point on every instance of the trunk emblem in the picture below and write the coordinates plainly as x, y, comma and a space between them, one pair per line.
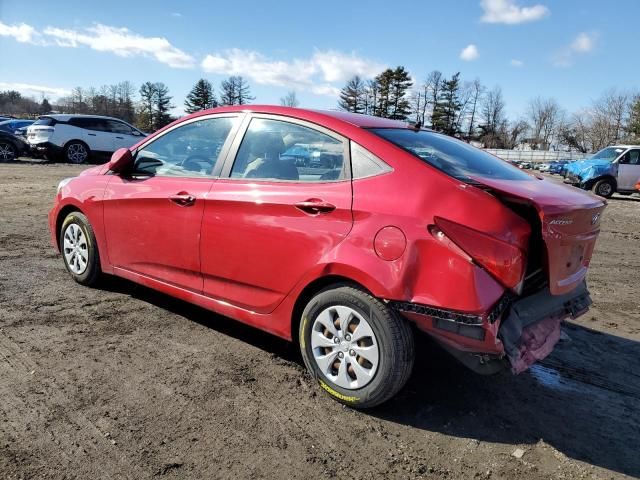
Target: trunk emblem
561, 221
595, 219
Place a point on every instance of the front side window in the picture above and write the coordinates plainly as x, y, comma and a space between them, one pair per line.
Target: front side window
279, 150
45, 122
632, 157
186, 151
453, 157
119, 127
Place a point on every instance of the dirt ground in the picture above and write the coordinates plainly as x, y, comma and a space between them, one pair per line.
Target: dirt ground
123, 382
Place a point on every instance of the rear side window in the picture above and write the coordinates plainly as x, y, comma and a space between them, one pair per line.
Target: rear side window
451, 156
45, 122
366, 164
279, 150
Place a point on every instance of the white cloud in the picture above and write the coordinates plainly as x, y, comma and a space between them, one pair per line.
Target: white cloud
507, 11
517, 63
469, 53
37, 90
584, 43
20, 32
122, 42
325, 67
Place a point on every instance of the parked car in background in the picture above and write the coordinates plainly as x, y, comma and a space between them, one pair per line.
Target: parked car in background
75, 138
525, 165
345, 254
544, 167
557, 166
612, 169
13, 125
11, 146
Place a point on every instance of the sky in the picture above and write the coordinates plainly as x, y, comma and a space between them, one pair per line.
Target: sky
570, 50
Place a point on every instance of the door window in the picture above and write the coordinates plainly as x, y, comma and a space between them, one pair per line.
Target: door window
632, 157
279, 150
190, 150
119, 127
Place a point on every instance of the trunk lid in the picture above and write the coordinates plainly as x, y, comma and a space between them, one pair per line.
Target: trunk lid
570, 222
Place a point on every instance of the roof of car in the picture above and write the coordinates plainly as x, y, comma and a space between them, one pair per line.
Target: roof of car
64, 117
357, 119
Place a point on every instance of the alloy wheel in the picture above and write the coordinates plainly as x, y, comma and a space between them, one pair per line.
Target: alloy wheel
7, 152
77, 153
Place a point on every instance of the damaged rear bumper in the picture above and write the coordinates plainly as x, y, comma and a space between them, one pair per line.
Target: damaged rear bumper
530, 328
524, 330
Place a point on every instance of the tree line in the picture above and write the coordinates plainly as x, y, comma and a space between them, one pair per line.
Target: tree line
471, 111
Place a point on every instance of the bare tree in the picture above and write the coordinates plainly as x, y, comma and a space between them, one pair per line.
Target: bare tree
290, 100
545, 116
477, 90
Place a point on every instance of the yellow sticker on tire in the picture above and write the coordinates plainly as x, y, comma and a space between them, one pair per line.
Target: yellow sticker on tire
338, 395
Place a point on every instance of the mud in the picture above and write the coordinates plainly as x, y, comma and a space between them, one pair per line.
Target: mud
124, 382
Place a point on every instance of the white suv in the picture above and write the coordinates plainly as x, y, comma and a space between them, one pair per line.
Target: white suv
76, 137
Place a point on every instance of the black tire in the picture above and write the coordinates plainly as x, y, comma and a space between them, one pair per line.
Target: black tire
604, 188
77, 152
8, 152
394, 340
92, 274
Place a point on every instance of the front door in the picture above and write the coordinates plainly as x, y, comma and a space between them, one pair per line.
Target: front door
629, 170
273, 219
152, 216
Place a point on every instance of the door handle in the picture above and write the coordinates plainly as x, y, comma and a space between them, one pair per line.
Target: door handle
120, 138
183, 199
91, 134
315, 206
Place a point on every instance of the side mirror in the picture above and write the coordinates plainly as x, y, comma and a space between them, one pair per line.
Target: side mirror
120, 160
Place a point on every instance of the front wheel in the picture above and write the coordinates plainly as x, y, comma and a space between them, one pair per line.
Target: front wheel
79, 249
604, 188
359, 350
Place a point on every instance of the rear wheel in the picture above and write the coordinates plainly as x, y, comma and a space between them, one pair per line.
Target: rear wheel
359, 350
79, 249
7, 152
604, 188
76, 152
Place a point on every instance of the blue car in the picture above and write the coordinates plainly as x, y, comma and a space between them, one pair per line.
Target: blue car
612, 169
14, 124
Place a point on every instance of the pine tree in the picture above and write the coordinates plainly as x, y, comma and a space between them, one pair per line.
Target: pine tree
398, 101
201, 97
445, 112
235, 91
353, 96
45, 106
633, 127
146, 120
162, 106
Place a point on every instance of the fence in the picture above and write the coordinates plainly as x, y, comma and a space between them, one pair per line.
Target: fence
535, 156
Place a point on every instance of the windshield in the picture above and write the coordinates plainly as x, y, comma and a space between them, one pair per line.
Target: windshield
452, 156
608, 154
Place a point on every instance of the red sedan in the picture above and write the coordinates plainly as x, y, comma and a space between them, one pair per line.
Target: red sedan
342, 232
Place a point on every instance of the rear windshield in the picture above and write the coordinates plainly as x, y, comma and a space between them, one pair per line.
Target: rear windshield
45, 121
453, 157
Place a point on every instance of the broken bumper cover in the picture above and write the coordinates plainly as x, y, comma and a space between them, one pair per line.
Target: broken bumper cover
530, 328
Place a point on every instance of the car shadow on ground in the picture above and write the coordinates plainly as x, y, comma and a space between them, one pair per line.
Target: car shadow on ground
584, 400
625, 198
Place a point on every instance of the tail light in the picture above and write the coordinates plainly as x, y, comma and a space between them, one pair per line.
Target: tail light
504, 261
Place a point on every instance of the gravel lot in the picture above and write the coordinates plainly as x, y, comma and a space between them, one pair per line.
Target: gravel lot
123, 382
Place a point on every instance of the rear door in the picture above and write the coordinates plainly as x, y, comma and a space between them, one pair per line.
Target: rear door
93, 131
153, 215
629, 169
269, 219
